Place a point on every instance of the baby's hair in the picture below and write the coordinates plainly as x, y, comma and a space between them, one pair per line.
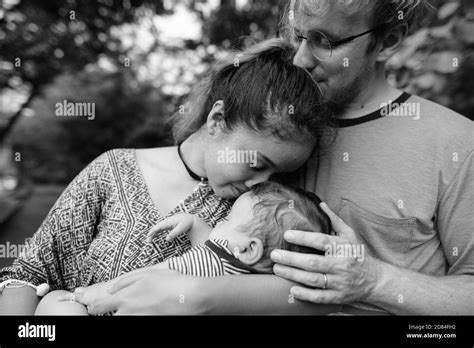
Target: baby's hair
281, 208
262, 90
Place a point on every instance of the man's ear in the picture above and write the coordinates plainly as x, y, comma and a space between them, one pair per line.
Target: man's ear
215, 119
392, 41
253, 252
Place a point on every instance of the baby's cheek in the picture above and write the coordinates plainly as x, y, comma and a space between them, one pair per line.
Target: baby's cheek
219, 230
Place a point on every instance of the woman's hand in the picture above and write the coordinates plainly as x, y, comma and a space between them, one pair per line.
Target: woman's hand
144, 291
337, 277
86, 295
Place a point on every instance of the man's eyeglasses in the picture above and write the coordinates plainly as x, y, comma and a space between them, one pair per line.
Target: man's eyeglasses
321, 46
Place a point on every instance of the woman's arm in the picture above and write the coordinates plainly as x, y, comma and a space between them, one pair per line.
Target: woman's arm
49, 255
254, 295
164, 292
20, 301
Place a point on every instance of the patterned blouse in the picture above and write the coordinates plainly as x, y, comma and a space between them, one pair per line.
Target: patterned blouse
97, 229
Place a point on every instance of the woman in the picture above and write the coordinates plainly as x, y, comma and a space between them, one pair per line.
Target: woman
258, 103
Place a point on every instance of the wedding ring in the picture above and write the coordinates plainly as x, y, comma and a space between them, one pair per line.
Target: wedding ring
325, 281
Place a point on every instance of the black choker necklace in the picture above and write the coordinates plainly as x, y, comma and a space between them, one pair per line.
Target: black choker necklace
190, 172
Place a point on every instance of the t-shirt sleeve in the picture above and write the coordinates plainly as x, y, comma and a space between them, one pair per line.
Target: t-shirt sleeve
55, 252
455, 220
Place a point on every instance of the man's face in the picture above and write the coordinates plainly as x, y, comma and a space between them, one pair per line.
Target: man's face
347, 72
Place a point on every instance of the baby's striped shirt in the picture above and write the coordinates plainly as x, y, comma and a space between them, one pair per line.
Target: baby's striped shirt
211, 259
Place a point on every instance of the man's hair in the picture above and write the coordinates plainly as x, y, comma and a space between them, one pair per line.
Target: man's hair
384, 14
281, 208
262, 90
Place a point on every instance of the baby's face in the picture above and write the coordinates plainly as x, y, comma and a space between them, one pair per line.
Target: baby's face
241, 213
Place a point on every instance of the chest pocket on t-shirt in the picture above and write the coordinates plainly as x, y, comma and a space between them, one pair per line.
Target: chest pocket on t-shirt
387, 239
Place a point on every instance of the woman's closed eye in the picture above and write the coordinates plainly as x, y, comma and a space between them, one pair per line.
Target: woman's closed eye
297, 35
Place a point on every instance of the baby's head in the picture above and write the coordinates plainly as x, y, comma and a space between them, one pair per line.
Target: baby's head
255, 114
258, 219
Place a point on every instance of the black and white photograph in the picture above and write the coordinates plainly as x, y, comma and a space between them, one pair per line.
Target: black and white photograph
299, 168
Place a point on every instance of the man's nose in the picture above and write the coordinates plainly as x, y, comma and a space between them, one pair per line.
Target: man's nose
304, 58
258, 179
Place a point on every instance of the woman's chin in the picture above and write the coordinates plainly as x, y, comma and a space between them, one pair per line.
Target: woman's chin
226, 192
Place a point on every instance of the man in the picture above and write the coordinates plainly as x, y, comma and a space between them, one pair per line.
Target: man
398, 175
403, 181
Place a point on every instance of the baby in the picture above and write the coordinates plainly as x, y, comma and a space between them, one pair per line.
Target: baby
240, 244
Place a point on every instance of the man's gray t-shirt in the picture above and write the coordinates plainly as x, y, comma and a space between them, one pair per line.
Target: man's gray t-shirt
405, 183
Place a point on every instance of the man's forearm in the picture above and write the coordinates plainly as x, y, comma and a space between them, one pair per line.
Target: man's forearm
406, 292
254, 295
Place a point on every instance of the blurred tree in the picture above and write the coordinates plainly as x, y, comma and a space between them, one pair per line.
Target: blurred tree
41, 39
75, 50
255, 18
437, 61
54, 149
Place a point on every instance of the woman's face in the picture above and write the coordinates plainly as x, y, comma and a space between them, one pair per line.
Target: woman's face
239, 159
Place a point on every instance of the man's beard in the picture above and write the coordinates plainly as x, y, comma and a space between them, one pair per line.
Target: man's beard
339, 99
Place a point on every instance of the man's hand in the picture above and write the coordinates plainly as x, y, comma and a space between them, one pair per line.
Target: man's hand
178, 224
144, 291
349, 278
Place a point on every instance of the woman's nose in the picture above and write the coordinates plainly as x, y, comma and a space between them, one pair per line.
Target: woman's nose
304, 58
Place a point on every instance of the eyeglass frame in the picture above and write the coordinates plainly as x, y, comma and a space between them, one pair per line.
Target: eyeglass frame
341, 41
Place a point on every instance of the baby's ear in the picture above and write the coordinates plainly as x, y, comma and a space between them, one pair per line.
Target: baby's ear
253, 252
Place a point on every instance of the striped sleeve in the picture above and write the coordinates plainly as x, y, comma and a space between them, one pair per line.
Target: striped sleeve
199, 262
231, 269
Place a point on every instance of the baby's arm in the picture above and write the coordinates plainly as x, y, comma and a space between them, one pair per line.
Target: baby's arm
198, 231
51, 305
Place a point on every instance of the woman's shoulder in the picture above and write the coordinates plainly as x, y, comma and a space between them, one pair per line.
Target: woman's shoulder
157, 157
107, 165
111, 157
99, 177
130, 161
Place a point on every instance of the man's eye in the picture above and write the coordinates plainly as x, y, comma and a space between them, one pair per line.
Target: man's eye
294, 34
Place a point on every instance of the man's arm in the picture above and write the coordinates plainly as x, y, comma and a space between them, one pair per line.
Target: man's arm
400, 291
43, 253
405, 292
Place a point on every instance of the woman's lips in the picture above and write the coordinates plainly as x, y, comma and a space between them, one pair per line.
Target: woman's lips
237, 190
